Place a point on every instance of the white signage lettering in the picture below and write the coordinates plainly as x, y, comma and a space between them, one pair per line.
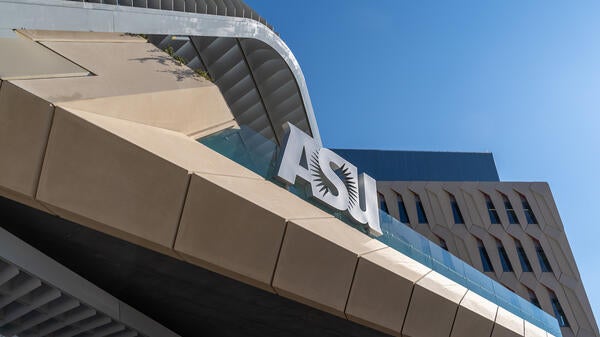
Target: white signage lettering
332, 180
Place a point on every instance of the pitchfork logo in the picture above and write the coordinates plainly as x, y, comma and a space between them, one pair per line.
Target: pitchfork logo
332, 180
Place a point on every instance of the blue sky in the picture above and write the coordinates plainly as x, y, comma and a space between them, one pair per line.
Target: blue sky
520, 79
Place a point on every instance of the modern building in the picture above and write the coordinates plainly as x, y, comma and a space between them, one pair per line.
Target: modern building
162, 174
511, 231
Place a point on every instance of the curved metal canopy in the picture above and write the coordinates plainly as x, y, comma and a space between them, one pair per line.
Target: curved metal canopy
280, 100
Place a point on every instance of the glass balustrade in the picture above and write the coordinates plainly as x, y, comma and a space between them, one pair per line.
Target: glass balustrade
259, 154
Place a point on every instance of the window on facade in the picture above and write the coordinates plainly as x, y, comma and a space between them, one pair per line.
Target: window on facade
531, 219
558, 310
458, 218
544, 263
525, 265
420, 210
506, 265
402, 209
485, 258
443, 243
494, 218
533, 298
382, 203
510, 212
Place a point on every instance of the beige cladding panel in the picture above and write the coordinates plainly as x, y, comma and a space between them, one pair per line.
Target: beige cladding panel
508, 325
188, 111
121, 69
433, 306
475, 317
318, 260
381, 290
235, 225
118, 186
172, 146
24, 126
21, 58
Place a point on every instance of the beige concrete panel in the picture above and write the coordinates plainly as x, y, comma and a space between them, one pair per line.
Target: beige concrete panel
71, 36
235, 226
21, 58
98, 175
476, 205
381, 290
533, 331
317, 262
188, 111
475, 317
24, 127
120, 68
545, 200
508, 324
440, 205
172, 146
433, 307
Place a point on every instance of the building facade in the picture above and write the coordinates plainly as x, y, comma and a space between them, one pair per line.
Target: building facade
162, 174
511, 231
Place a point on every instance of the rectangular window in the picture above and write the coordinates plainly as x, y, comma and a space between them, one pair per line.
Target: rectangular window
402, 209
506, 265
485, 258
422, 217
558, 310
458, 218
525, 265
533, 298
494, 218
382, 203
531, 219
510, 212
544, 263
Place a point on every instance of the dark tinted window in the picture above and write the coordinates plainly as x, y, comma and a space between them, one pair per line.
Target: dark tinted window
558, 310
510, 212
420, 210
458, 217
494, 218
525, 265
531, 219
402, 209
544, 263
443, 243
382, 203
506, 265
533, 298
485, 258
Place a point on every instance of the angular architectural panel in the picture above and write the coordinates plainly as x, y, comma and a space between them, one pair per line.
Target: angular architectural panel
139, 196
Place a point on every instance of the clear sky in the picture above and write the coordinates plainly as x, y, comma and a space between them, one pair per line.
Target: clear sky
520, 79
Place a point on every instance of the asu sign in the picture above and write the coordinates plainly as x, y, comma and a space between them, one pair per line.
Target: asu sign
331, 179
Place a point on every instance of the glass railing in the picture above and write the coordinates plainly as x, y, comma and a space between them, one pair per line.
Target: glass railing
259, 154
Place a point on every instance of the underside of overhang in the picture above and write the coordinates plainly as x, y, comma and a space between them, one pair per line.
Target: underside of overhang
191, 300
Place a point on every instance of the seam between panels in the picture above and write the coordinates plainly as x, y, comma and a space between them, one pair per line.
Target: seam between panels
182, 209
495, 318
285, 228
358, 258
456, 312
44, 153
412, 291
351, 285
